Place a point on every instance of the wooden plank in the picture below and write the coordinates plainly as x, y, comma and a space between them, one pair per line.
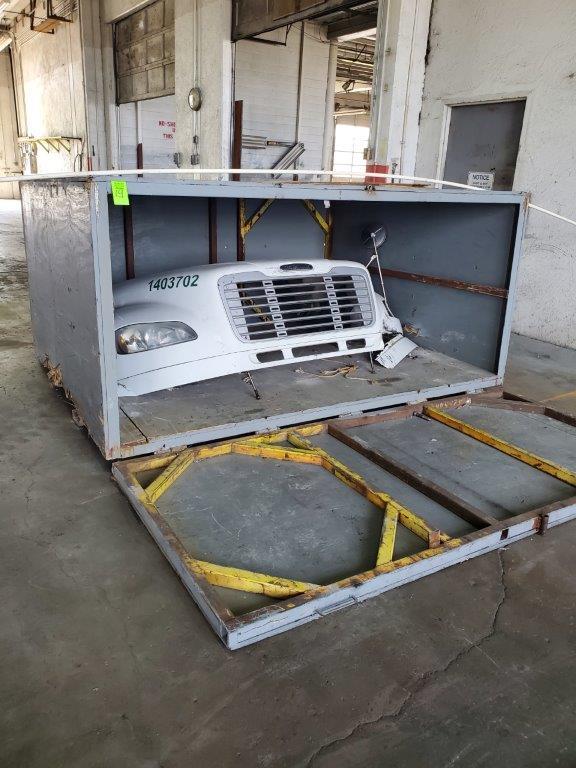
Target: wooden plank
553, 413
213, 230
402, 412
237, 138
459, 285
128, 242
393, 414
414, 479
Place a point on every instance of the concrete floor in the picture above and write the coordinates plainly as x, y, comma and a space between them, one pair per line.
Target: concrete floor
105, 660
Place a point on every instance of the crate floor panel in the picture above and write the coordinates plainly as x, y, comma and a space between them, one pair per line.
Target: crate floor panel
287, 389
536, 433
293, 520
495, 483
270, 515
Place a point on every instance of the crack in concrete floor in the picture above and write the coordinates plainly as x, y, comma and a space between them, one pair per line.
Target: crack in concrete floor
423, 680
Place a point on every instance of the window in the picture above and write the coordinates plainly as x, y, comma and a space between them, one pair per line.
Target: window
350, 141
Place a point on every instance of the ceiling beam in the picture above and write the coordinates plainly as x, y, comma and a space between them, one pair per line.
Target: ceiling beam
356, 25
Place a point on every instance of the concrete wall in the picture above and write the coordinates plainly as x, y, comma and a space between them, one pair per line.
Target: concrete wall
9, 158
494, 50
266, 80
203, 59
50, 90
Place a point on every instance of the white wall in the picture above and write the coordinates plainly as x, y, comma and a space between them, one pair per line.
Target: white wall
9, 159
267, 82
498, 50
153, 123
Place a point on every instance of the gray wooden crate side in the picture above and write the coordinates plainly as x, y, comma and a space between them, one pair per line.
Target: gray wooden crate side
63, 301
468, 242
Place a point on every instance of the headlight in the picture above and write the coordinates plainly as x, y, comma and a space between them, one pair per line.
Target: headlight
145, 336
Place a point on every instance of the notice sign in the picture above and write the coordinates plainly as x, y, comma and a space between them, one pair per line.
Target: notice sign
481, 179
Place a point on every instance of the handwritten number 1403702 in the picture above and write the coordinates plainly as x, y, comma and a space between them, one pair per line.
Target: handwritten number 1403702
184, 281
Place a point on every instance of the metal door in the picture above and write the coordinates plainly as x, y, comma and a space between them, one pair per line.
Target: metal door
484, 138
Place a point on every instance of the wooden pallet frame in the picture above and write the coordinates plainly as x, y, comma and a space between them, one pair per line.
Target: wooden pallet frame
300, 602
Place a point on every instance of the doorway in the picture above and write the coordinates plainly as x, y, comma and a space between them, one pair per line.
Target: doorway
9, 156
144, 67
354, 80
483, 143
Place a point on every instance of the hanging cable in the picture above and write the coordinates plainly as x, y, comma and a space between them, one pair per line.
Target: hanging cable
376, 257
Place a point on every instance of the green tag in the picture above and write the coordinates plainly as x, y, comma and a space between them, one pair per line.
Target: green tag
120, 193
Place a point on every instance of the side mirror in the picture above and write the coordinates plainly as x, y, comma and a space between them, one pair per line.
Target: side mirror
373, 236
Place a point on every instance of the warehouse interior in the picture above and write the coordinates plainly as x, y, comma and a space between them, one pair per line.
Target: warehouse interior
260, 135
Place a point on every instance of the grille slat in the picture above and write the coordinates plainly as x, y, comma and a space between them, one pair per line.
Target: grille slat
279, 284
320, 291
239, 311
289, 322
269, 308
306, 328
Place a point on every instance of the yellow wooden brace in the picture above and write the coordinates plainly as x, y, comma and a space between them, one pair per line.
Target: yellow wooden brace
251, 446
549, 467
247, 224
281, 435
301, 451
316, 215
268, 451
388, 537
248, 581
180, 465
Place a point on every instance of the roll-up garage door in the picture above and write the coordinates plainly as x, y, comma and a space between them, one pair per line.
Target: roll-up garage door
144, 54
144, 48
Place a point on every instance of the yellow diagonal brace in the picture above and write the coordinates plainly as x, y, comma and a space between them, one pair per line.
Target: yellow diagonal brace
248, 581
549, 467
267, 451
256, 216
416, 524
407, 518
180, 465
388, 537
316, 215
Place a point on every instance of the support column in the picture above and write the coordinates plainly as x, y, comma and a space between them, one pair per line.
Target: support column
328, 144
203, 60
401, 44
91, 47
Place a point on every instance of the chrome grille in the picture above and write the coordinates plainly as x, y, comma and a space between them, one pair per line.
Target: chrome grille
273, 308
